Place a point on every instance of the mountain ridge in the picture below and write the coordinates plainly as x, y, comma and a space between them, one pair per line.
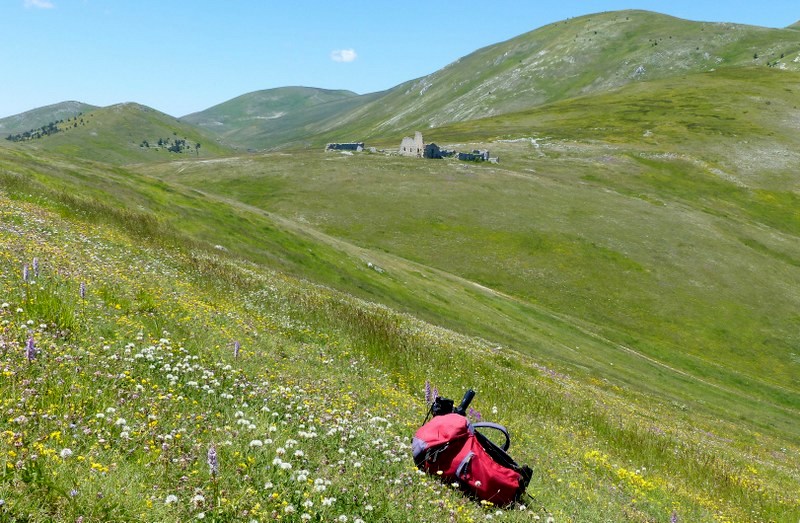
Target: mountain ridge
576, 57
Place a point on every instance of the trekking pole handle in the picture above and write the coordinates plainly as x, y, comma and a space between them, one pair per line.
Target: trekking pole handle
465, 401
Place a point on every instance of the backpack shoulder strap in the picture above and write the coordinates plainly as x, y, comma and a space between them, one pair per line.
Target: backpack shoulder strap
495, 426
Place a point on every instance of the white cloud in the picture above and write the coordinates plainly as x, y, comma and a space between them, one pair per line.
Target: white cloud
343, 55
39, 4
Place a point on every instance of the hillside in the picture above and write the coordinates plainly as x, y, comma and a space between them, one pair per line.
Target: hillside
36, 118
127, 133
129, 357
576, 57
264, 119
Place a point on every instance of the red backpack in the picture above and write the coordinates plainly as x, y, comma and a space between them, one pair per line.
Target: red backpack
453, 449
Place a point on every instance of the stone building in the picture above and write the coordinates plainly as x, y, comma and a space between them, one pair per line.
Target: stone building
412, 146
354, 146
477, 155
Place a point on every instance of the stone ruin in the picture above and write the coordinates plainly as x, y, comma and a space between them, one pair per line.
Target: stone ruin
353, 146
412, 146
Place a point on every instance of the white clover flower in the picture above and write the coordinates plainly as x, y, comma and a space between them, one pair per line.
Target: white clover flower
201, 515
327, 502
198, 499
306, 516
369, 508
65, 453
299, 453
5, 305
256, 443
120, 421
268, 485
289, 509
308, 503
342, 519
286, 465
280, 451
172, 498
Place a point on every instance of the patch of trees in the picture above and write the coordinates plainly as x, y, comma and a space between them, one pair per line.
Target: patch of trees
35, 134
46, 130
173, 145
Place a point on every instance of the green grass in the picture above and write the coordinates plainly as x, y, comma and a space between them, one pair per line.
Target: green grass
146, 383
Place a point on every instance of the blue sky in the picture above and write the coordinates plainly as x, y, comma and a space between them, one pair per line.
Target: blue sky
183, 57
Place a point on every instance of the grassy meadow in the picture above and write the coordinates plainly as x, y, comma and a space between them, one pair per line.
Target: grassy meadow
153, 380
226, 336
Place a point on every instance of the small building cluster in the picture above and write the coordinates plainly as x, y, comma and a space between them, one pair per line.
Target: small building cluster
416, 147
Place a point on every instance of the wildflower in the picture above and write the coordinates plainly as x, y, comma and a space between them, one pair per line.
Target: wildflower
236, 347
198, 499
674, 517
36, 267
65, 453
30, 349
306, 516
120, 421
550, 519
342, 519
327, 502
428, 399
172, 498
201, 515
25, 272
268, 485
83, 290
289, 509
213, 464
256, 443
474, 414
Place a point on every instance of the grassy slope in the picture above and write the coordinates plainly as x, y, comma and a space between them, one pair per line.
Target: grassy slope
114, 135
138, 380
36, 118
272, 117
588, 229
584, 55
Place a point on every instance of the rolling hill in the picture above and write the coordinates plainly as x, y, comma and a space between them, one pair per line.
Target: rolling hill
42, 116
273, 117
576, 57
127, 133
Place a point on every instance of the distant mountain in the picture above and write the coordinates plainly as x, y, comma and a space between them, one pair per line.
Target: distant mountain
576, 57
579, 57
128, 133
263, 119
36, 118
